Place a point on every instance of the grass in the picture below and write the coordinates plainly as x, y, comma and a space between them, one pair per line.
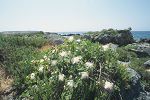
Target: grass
16, 49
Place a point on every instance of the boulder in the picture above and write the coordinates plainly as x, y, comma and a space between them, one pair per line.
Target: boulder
69, 34
123, 38
144, 40
120, 37
54, 38
111, 46
136, 90
142, 49
58, 42
135, 77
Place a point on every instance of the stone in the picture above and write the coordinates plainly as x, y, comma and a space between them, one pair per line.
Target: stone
136, 90
54, 38
120, 37
58, 42
135, 77
142, 50
144, 40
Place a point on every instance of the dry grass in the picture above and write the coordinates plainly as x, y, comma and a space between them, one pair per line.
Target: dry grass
46, 47
6, 80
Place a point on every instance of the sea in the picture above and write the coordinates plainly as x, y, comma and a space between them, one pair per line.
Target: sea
137, 35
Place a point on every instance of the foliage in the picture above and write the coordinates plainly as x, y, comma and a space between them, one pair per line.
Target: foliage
125, 55
76, 70
17, 49
34, 40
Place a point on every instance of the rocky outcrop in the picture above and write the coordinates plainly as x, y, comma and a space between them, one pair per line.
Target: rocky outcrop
142, 50
54, 38
70, 34
145, 41
120, 37
136, 91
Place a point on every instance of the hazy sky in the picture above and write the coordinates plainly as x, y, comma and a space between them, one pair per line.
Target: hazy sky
74, 15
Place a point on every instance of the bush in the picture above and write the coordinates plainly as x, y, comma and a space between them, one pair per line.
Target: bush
125, 55
76, 70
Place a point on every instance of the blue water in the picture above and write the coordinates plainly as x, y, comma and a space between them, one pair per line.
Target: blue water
141, 35
137, 35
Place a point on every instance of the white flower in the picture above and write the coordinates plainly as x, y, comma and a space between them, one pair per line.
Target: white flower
41, 69
32, 76
71, 38
76, 59
41, 60
33, 61
69, 52
53, 51
108, 86
45, 57
54, 62
105, 47
70, 83
89, 64
70, 77
61, 77
78, 40
34, 86
63, 53
84, 75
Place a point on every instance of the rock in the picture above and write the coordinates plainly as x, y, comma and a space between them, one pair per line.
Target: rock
134, 76
144, 40
147, 64
54, 38
124, 38
120, 37
135, 87
87, 37
69, 34
110, 46
142, 50
144, 96
58, 42
136, 91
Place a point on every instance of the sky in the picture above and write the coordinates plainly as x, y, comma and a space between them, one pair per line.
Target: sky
74, 15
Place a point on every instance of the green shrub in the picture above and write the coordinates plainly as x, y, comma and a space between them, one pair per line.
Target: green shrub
76, 70
125, 55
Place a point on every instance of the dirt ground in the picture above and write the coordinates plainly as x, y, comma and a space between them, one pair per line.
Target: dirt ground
46, 47
6, 80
